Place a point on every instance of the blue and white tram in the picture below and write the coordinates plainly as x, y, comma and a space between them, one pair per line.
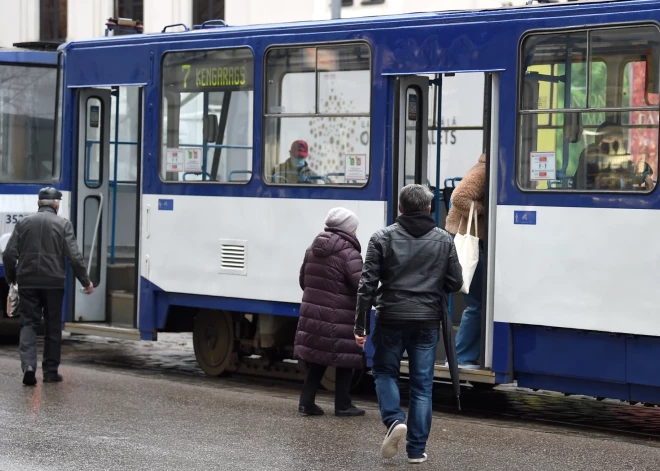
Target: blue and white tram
28, 90
178, 150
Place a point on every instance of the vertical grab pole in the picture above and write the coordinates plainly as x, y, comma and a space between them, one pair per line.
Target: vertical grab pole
205, 144
438, 84
114, 179
438, 91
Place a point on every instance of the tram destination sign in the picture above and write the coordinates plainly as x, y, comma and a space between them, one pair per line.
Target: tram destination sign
209, 75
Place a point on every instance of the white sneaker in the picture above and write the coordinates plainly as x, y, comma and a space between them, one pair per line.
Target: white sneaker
468, 366
418, 460
395, 433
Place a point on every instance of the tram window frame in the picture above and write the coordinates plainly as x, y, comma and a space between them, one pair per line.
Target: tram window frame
267, 161
101, 126
170, 106
614, 110
56, 158
59, 118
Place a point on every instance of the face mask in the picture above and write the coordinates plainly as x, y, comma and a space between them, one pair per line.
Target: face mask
300, 163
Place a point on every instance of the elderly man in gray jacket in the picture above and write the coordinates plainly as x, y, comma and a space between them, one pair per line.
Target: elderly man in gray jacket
39, 244
416, 266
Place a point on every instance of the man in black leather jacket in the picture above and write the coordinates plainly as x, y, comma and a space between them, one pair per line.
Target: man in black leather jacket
416, 265
39, 244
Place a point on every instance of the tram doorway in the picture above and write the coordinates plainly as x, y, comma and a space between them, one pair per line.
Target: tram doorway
443, 123
107, 199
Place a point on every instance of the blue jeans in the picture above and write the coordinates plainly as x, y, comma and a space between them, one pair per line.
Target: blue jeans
468, 339
389, 345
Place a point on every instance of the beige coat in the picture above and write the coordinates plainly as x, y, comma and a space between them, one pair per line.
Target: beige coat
471, 188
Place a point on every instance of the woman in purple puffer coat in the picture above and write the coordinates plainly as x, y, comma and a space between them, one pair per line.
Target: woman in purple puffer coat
329, 277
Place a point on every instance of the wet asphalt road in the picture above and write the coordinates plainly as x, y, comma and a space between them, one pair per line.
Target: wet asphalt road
107, 416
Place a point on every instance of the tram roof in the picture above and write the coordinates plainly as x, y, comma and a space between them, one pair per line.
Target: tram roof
14, 55
495, 14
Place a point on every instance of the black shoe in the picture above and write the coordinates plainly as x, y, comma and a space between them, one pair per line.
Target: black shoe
29, 377
395, 434
53, 378
310, 410
352, 411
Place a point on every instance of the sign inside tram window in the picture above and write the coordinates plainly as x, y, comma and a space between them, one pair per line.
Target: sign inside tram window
543, 166
174, 160
355, 167
94, 116
412, 107
214, 73
192, 160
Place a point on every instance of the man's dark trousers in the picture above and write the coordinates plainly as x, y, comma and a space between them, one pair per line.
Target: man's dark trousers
31, 303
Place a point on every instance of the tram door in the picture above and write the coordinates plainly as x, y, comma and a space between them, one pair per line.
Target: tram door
107, 199
92, 199
411, 140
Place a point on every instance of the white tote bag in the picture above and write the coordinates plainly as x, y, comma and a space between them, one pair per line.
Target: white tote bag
467, 248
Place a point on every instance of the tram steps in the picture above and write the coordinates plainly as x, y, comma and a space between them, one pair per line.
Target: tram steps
121, 294
121, 277
120, 305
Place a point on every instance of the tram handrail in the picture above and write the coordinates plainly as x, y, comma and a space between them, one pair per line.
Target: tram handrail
94, 238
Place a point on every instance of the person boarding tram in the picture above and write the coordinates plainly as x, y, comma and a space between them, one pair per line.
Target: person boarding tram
471, 189
410, 268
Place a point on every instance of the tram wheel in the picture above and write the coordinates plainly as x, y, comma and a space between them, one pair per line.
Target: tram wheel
330, 377
213, 339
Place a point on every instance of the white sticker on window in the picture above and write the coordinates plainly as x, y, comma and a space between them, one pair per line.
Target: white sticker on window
355, 167
192, 160
174, 160
543, 166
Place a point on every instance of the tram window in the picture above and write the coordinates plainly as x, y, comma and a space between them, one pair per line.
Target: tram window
124, 134
207, 119
57, 151
27, 124
92, 206
93, 137
317, 120
589, 126
413, 126
461, 125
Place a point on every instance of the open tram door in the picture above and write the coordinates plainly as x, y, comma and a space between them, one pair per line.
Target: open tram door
422, 135
108, 312
411, 136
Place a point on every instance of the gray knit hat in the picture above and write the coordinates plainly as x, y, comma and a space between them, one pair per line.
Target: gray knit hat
342, 218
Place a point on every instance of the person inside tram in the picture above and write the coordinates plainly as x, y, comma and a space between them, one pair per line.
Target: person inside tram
643, 170
607, 164
471, 189
296, 169
587, 169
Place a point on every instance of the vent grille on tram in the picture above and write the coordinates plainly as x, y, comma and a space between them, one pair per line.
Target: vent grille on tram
233, 257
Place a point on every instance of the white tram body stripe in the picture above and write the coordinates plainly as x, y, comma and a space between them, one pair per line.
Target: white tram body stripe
182, 247
13, 206
579, 268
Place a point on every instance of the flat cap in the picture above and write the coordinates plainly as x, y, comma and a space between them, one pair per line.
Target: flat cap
49, 193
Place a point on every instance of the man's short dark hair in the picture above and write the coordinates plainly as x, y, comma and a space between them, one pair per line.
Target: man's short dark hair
415, 199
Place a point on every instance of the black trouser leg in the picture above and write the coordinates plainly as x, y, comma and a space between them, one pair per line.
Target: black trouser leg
29, 307
52, 302
343, 388
312, 382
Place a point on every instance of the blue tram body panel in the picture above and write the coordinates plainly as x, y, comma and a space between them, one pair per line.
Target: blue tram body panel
582, 361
